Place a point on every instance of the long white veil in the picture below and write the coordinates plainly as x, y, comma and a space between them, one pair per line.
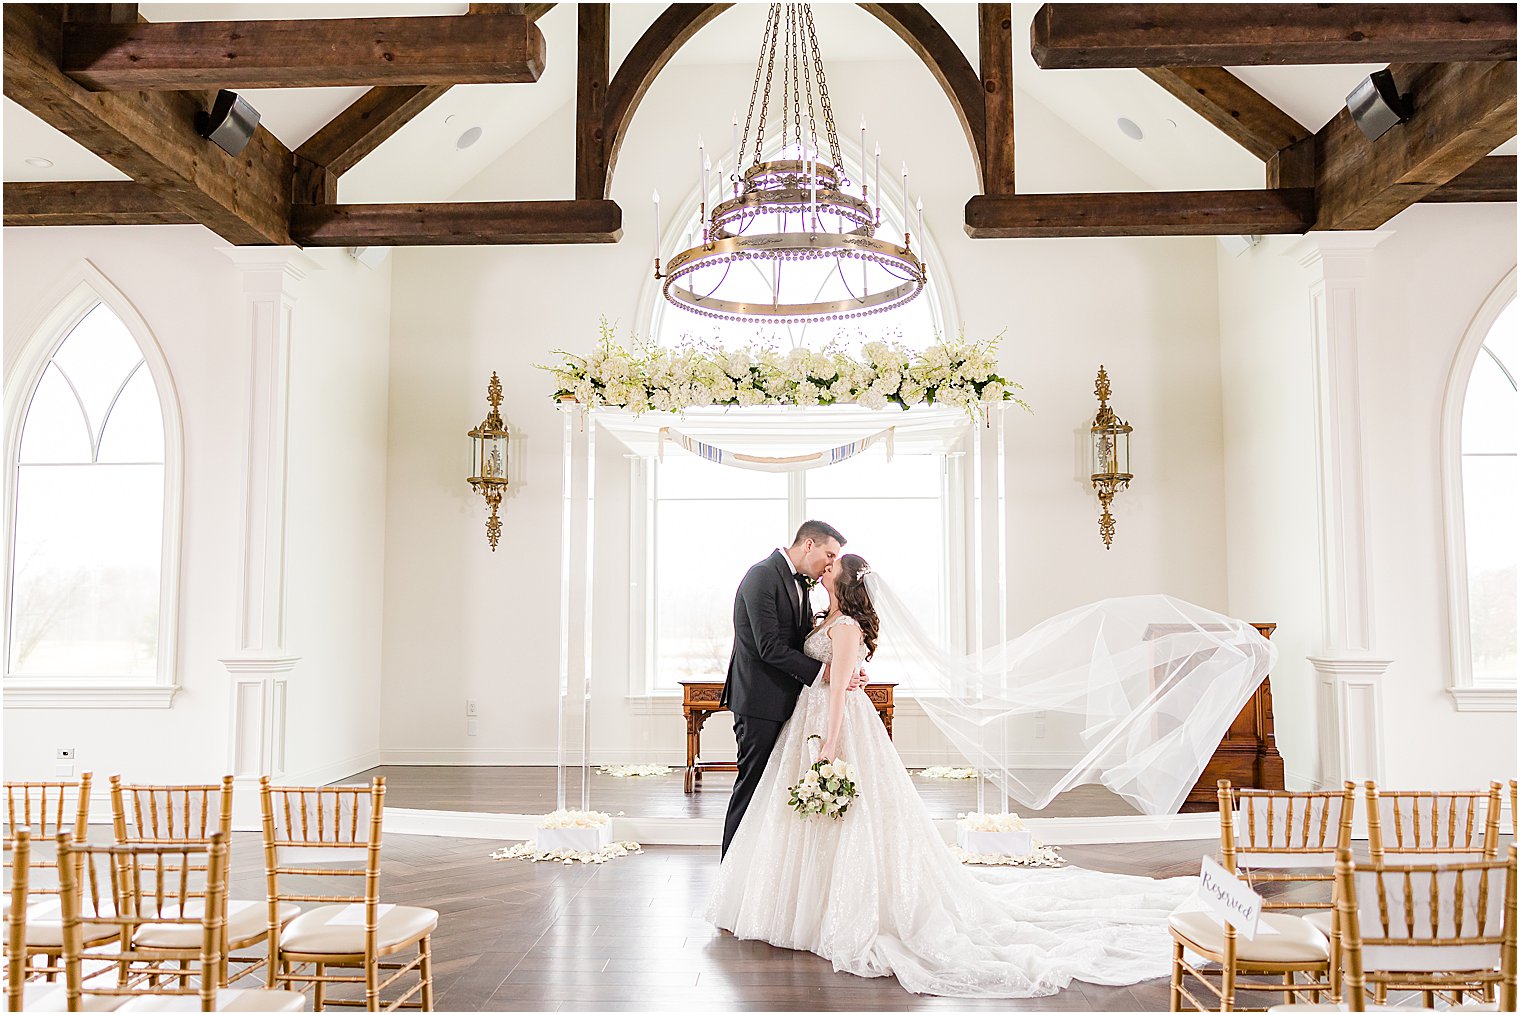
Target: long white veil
1142, 689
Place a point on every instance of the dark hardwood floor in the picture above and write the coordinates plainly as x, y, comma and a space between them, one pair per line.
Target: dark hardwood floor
628, 935
514, 789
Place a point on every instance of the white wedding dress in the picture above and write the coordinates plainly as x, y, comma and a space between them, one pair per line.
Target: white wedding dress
878, 893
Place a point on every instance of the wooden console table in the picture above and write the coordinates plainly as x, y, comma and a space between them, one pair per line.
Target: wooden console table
699, 700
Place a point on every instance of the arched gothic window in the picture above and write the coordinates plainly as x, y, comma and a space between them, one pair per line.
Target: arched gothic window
92, 507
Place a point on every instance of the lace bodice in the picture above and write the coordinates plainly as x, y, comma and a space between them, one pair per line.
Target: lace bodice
820, 646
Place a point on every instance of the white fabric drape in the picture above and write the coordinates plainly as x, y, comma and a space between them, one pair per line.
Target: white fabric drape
1151, 684
766, 463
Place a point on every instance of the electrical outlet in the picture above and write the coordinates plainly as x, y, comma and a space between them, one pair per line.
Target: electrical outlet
65, 754
471, 727
470, 707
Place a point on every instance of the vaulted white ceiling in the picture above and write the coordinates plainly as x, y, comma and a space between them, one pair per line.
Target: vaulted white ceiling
423, 161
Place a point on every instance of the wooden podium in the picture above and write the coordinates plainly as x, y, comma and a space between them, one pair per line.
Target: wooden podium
1247, 756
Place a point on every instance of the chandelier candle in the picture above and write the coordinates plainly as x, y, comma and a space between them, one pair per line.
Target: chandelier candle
657, 244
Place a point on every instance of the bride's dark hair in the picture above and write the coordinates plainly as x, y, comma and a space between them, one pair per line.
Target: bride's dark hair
854, 600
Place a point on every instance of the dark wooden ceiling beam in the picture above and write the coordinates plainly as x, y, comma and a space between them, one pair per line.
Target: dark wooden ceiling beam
995, 42
1174, 213
367, 122
93, 203
456, 223
1490, 180
1462, 111
150, 136
173, 55
1242, 113
592, 60
1078, 35
963, 86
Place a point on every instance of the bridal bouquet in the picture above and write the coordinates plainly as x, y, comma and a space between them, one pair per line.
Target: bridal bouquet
827, 788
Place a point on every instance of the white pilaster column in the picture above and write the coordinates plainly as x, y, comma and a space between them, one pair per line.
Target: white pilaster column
1348, 668
261, 663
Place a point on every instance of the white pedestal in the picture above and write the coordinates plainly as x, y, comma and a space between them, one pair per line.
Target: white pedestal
1015, 843
580, 840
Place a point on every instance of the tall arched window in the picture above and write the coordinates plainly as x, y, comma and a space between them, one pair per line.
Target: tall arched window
90, 597
1485, 540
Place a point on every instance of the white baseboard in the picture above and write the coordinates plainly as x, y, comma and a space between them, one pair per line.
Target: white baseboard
336, 771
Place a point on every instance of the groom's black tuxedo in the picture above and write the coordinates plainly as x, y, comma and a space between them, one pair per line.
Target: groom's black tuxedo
766, 671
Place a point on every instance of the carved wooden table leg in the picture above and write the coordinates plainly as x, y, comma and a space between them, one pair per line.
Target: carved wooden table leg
693, 747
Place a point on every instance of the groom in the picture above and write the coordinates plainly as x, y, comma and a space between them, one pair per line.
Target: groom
768, 669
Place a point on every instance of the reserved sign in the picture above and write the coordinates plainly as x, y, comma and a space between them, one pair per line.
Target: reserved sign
1230, 898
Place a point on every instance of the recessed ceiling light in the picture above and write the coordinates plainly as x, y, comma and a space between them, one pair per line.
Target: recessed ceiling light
39, 162
450, 118
1171, 123
1131, 129
468, 138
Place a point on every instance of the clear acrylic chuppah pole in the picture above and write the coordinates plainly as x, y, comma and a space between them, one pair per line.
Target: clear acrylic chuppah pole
977, 553
1002, 570
586, 640
566, 489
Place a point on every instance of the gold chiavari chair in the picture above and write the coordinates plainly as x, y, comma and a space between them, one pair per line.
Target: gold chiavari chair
1514, 809
1403, 825
19, 847
1428, 926
309, 832
45, 809
191, 814
1286, 946
1289, 839
152, 885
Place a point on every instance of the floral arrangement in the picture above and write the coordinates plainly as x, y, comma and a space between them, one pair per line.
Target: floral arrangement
947, 772
647, 377
975, 821
827, 788
527, 851
575, 819
1040, 856
633, 771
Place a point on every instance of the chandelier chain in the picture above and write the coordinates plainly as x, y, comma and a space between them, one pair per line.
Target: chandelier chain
823, 97
807, 82
794, 38
767, 43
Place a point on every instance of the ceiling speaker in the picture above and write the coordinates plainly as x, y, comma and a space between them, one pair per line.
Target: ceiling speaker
370, 257
230, 124
1376, 105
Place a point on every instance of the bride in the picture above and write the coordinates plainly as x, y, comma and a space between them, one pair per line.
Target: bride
878, 893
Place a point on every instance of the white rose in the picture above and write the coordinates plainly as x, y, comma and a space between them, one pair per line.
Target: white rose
827, 771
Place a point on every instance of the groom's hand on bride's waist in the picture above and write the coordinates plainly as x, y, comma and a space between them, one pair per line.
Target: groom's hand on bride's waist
858, 681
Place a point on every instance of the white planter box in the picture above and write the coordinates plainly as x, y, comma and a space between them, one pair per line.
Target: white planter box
581, 840
1016, 843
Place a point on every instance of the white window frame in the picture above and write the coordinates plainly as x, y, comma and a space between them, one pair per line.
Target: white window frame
1469, 695
647, 700
80, 292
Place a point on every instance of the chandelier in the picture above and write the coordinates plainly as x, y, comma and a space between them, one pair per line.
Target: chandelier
792, 238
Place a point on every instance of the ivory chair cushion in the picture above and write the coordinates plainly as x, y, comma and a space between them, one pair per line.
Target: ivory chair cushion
226, 1000
1321, 919
339, 930
1296, 939
44, 925
39, 996
246, 920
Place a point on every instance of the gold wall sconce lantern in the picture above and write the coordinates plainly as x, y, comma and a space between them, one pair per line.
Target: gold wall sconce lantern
488, 452
1110, 457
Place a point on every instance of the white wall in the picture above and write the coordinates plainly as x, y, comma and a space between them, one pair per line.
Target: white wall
462, 622
1426, 282
191, 297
